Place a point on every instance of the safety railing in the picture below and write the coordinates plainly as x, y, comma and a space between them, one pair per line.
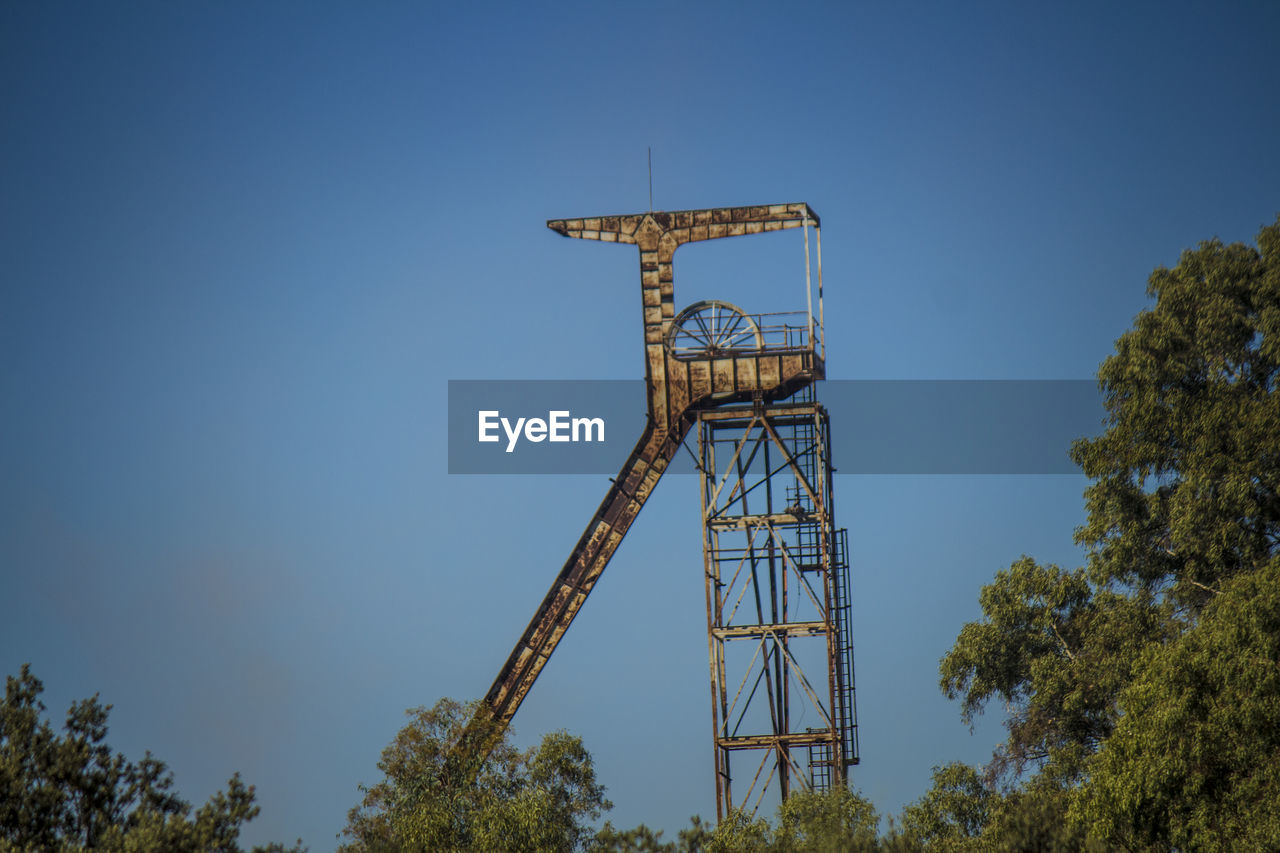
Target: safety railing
789, 331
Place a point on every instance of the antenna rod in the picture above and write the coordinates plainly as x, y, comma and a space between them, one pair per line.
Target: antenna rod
651, 179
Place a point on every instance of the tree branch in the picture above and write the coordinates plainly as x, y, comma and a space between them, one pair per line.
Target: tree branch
1070, 656
1202, 586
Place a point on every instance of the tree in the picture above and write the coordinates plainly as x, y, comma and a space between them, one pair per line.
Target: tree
951, 816
71, 792
1056, 650
1186, 488
642, 839
539, 799
826, 822
1194, 762
1140, 689
834, 821
963, 813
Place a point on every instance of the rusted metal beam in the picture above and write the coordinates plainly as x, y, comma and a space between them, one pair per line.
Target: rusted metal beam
780, 629
784, 741
689, 226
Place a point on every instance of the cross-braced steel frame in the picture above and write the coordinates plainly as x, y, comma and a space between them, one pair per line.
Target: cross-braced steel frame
778, 606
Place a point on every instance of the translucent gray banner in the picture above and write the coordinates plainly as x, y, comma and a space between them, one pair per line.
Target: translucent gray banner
877, 426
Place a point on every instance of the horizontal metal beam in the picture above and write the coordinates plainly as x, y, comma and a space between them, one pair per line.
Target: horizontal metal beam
688, 226
791, 739
781, 629
781, 412
776, 519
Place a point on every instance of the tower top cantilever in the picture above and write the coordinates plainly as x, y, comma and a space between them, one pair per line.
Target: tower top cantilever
658, 234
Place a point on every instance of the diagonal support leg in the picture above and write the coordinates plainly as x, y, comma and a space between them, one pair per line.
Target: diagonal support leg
623, 502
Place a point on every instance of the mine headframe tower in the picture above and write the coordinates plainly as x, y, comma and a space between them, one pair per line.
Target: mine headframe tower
776, 568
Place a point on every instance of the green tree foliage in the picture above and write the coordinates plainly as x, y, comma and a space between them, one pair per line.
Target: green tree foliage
1187, 475
1035, 819
642, 839
70, 792
1130, 709
835, 821
951, 816
964, 813
739, 832
1055, 650
1194, 763
540, 799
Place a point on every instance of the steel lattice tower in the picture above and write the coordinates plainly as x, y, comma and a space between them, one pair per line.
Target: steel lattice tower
777, 586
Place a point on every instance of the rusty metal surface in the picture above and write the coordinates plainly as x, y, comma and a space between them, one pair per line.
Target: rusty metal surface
677, 389
659, 233
777, 603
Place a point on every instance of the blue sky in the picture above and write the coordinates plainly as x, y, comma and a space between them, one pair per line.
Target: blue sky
244, 247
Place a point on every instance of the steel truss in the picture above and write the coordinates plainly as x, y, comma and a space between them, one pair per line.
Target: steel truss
777, 584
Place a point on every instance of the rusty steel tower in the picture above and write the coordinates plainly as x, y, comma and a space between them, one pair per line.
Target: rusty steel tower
775, 565
777, 585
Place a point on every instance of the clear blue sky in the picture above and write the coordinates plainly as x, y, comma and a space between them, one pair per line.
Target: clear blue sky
244, 246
